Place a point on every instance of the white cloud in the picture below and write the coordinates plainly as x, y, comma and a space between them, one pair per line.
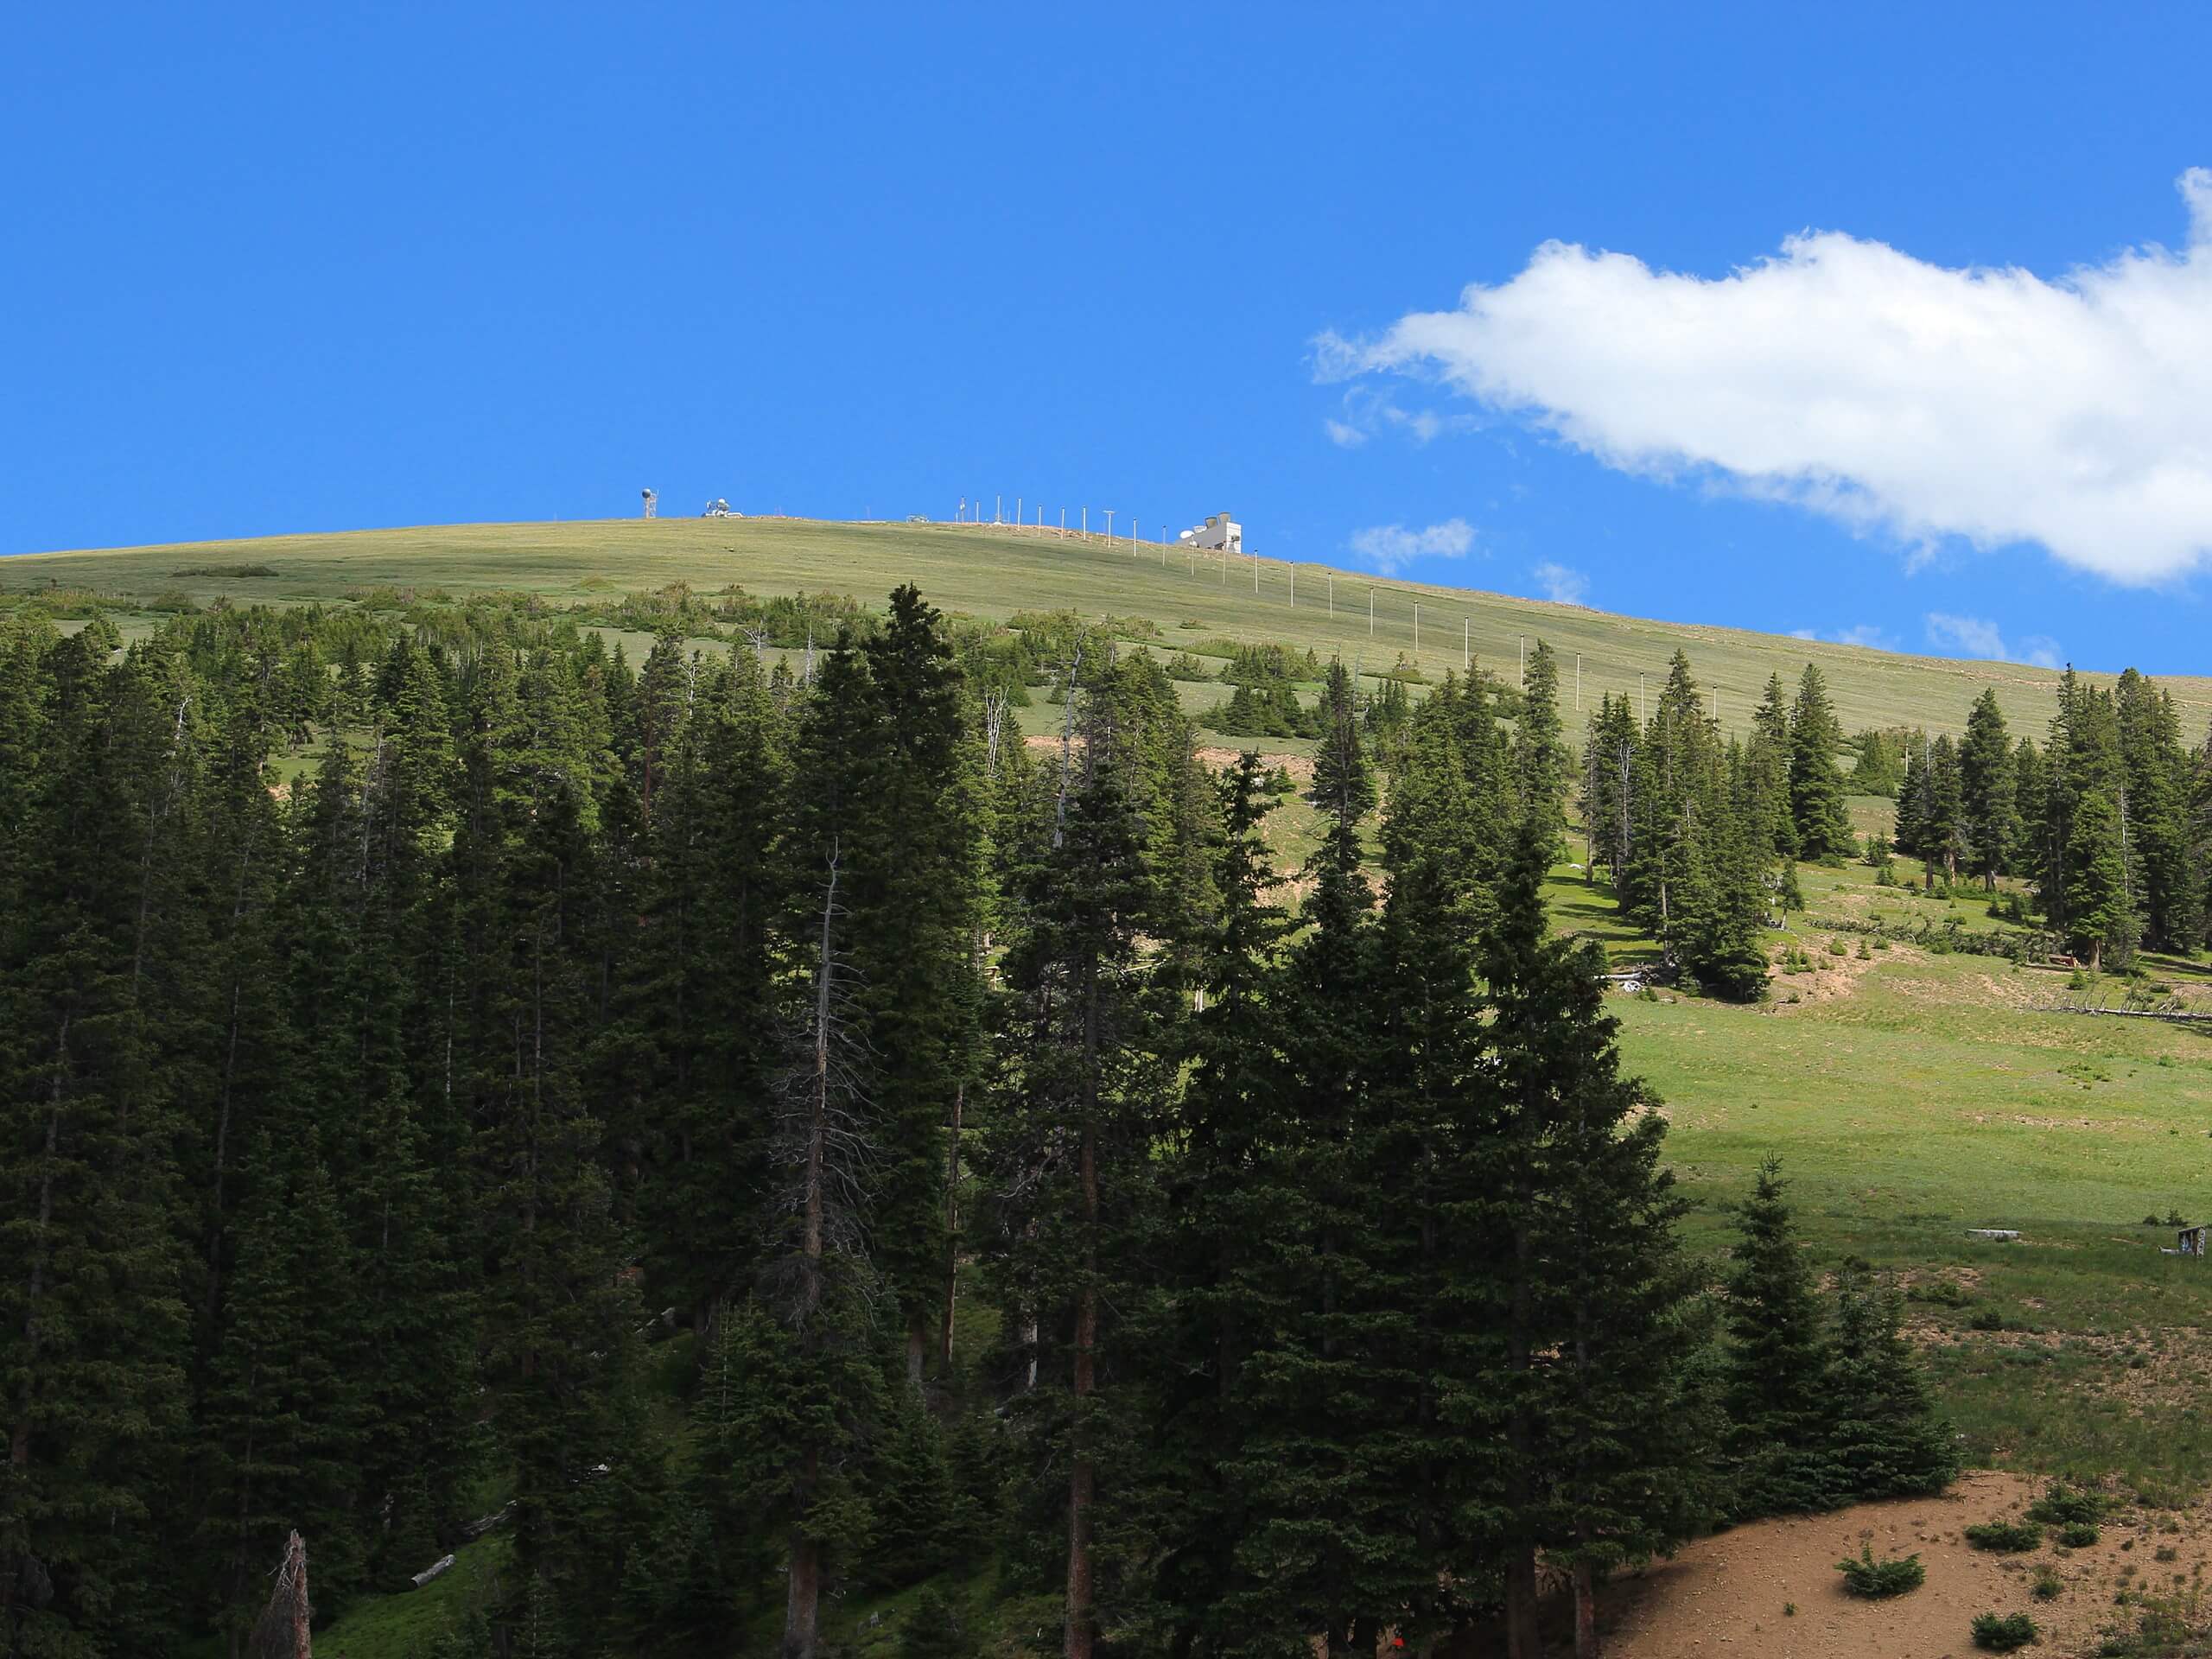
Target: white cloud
1369, 410
1804, 634
1391, 548
1978, 636
1856, 381
1562, 585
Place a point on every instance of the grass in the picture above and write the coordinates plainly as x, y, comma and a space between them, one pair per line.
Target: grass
994, 572
404, 1625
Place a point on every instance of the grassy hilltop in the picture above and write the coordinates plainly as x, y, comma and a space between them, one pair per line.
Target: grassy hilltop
995, 571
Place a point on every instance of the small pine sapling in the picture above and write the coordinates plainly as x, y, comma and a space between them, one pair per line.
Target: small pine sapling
1879, 1580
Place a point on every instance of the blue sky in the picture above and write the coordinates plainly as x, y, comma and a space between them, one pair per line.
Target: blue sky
311, 268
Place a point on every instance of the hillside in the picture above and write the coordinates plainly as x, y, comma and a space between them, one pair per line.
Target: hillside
1920, 1059
995, 571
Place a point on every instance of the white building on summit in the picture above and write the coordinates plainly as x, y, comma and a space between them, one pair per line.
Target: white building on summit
1219, 530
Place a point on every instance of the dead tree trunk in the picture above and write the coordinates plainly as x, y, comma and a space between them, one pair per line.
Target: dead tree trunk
802, 1586
951, 1226
802, 1593
1523, 1639
281, 1632
1083, 1476
1585, 1612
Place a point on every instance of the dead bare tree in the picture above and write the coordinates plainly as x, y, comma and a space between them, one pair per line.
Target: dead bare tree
823, 1143
995, 706
281, 1632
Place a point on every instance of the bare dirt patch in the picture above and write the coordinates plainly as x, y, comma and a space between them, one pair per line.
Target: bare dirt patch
1300, 766
1728, 1594
1832, 977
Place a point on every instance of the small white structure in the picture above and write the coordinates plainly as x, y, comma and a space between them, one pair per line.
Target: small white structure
716, 508
652, 503
1219, 531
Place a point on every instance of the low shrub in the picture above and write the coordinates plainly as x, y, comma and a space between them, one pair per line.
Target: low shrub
1875, 1580
2005, 1537
2064, 1505
2046, 1586
2079, 1535
1995, 1633
1943, 1292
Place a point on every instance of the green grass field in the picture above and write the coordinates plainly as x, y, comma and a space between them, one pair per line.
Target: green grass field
989, 571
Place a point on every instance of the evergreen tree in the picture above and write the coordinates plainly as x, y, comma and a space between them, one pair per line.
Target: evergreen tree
2153, 804
1943, 829
1914, 834
1608, 803
1817, 803
2101, 918
1727, 949
1539, 751
1988, 785
1343, 788
1079, 1115
92, 1318
1778, 1370
1769, 755
1886, 1437
1600, 1396
1225, 1199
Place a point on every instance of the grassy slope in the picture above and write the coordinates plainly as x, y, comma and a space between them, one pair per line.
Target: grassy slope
993, 572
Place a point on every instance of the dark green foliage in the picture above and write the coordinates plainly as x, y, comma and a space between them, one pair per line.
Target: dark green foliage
1343, 785
2078, 1535
2101, 917
1884, 1429
1817, 803
2065, 1505
1996, 1633
1878, 768
932, 1629
1778, 1365
2005, 1537
1539, 760
1876, 1580
1989, 792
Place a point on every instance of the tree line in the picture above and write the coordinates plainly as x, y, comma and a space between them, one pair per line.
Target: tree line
755, 1133
2108, 825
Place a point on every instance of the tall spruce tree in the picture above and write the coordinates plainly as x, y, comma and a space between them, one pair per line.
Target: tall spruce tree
1817, 803
1988, 786
1778, 1374
1604, 1421
1887, 1438
1540, 756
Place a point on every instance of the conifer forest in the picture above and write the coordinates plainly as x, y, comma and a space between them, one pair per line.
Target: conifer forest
743, 1128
